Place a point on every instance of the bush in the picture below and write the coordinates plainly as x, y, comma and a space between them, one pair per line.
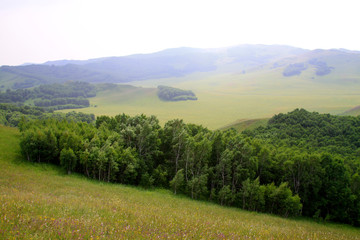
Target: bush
174, 94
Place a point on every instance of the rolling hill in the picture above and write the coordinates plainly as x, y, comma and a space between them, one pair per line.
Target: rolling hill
168, 63
340, 66
246, 124
240, 82
352, 112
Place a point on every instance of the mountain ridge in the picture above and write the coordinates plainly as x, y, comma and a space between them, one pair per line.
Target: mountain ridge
180, 62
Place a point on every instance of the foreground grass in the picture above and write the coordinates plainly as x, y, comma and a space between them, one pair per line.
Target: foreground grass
38, 201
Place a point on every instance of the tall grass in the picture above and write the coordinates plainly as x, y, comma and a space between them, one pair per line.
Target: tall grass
39, 201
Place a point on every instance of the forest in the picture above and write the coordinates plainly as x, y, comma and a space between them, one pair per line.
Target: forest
166, 93
11, 115
302, 163
55, 96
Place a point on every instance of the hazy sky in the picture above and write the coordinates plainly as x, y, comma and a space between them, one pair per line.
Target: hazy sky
40, 30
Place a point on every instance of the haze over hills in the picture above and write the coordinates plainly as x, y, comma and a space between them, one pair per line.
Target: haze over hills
180, 62
237, 83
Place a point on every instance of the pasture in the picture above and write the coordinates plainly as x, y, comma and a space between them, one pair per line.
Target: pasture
224, 98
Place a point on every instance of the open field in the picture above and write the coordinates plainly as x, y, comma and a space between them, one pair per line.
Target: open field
224, 98
39, 201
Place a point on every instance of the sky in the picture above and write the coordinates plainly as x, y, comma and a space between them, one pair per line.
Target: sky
36, 31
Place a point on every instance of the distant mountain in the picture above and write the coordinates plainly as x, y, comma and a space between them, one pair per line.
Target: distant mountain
76, 62
180, 62
331, 66
25, 64
33, 75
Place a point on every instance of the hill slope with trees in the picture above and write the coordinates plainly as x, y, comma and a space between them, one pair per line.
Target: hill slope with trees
55, 96
40, 201
301, 163
11, 115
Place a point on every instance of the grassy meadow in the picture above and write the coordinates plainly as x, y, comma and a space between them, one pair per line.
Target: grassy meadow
39, 201
224, 98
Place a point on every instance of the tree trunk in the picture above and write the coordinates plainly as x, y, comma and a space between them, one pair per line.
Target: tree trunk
87, 171
109, 171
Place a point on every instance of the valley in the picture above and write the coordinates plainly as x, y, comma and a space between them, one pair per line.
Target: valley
239, 82
225, 98
179, 120
136, 141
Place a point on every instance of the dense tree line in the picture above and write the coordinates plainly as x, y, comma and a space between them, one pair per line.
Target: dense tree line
314, 131
175, 94
81, 102
12, 115
276, 169
70, 94
190, 159
321, 161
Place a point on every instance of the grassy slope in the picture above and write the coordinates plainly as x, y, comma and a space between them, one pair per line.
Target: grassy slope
243, 124
352, 112
37, 201
8, 79
224, 97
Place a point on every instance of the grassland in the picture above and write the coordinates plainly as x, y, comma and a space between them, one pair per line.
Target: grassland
246, 124
352, 112
224, 98
39, 201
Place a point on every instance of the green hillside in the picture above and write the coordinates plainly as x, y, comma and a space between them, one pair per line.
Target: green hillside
34, 75
224, 97
39, 201
241, 82
261, 92
352, 112
246, 124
